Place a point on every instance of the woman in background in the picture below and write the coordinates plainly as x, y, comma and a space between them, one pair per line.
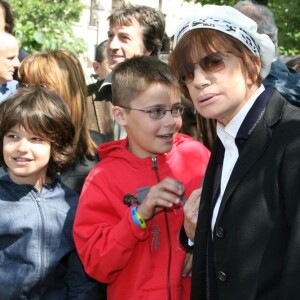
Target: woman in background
61, 71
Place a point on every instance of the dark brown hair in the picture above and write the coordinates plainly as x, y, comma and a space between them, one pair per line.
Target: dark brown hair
198, 43
150, 19
42, 112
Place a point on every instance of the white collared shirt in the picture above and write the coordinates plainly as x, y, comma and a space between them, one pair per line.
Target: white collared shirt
227, 136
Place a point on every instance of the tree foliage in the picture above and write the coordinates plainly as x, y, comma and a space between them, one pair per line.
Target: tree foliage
47, 24
287, 18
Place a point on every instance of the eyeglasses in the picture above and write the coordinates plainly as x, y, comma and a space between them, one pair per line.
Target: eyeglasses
209, 64
159, 112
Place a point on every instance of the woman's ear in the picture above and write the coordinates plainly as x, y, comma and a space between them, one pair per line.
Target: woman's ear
119, 115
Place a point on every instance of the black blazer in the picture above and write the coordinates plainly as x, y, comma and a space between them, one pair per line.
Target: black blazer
257, 231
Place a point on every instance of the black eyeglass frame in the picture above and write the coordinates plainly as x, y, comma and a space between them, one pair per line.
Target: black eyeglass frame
179, 108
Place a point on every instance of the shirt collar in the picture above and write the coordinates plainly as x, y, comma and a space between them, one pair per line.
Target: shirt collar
3, 88
234, 125
104, 91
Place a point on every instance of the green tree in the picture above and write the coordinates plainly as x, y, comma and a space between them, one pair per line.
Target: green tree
287, 18
47, 24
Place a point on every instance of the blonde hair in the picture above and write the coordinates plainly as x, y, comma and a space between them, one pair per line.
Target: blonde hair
61, 71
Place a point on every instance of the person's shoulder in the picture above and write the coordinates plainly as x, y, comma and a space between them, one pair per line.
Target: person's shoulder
104, 92
184, 139
97, 137
187, 144
94, 87
111, 156
282, 115
285, 80
12, 84
5, 181
59, 189
278, 102
57, 184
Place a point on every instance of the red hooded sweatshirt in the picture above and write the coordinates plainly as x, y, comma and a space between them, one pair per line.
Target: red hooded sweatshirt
136, 263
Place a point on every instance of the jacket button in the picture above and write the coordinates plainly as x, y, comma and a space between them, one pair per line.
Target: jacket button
221, 276
219, 232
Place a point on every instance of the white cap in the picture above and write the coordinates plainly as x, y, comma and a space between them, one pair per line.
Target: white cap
232, 22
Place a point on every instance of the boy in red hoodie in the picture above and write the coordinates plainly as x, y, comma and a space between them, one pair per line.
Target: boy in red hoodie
131, 207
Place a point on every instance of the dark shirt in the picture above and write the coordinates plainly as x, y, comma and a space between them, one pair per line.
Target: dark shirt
286, 80
94, 87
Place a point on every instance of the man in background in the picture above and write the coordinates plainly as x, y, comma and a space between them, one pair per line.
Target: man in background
9, 62
96, 108
134, 30
101, 68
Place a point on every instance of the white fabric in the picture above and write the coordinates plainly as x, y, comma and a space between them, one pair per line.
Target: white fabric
232, 22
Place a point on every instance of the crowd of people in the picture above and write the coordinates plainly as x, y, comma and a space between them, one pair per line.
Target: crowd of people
162, 180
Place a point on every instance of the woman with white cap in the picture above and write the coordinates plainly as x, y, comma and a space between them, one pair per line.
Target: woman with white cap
247, 239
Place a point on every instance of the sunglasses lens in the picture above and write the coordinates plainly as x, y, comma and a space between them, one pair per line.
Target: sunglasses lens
187, 77
212, 63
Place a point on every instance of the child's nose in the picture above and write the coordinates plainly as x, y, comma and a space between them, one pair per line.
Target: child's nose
169, 119
23, 145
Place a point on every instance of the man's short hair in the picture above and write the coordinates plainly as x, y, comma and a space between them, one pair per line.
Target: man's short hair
101, 52
151, 20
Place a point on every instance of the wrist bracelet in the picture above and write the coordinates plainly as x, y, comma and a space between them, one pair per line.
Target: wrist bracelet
137, 219
133, 215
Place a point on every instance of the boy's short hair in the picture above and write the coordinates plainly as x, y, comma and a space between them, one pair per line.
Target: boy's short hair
133, 76
151, 20
42, 112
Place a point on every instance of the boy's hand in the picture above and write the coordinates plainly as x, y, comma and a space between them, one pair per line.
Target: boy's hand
163, 195
191, 209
